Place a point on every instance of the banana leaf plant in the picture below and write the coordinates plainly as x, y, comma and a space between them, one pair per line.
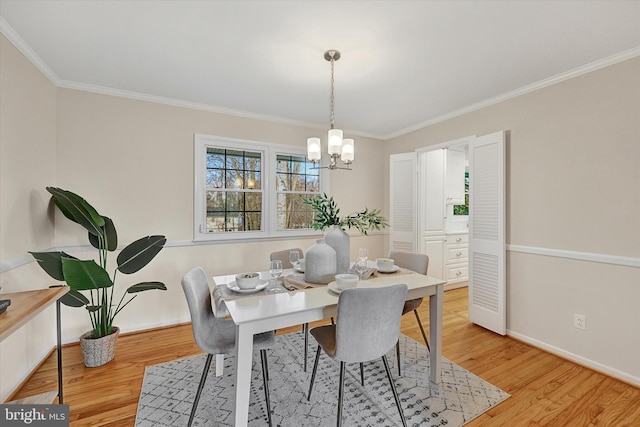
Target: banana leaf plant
89, 275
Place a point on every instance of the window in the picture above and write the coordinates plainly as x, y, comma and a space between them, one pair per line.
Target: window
247, 189
233, 190
295, 181
463, 209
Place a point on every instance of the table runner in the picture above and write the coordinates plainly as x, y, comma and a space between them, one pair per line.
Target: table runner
291, 282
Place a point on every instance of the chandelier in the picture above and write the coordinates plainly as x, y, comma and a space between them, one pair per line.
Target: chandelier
339, 148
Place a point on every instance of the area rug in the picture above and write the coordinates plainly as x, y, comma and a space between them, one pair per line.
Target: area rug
169, 389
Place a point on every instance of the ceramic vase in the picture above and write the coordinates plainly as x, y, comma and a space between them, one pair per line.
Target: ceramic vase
339, 241
320, 263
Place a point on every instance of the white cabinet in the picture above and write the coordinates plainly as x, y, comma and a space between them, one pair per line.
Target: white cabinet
448, 256
443, 184
457, 257
454, 181
432, 185
434, 248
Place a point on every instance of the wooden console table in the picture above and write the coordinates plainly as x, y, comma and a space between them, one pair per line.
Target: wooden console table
24, 306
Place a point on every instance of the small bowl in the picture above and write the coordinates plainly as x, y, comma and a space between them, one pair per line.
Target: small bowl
384, 264
346, 281
247, 280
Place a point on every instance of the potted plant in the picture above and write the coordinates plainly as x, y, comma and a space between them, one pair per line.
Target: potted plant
327, 211
98, 345
327, 216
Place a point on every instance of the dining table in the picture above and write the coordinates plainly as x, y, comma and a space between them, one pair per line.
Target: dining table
263, 311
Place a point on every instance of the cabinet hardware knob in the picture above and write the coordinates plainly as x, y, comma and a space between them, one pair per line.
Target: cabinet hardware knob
458, 253
458, 273
459, 239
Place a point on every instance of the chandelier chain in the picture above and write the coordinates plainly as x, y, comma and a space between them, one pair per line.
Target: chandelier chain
332, 98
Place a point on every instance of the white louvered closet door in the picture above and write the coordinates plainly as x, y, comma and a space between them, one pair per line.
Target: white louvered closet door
487, 282
402, 189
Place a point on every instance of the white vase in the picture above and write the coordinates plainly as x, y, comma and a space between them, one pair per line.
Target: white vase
339, 241
320, 263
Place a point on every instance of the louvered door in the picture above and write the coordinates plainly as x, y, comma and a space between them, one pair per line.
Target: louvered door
487, 283
402, 188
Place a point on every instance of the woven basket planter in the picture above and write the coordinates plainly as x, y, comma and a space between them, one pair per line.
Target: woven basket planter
98, 351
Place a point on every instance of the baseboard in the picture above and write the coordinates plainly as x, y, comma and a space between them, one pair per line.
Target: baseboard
15, 391
451, 286
143, 328
582, 361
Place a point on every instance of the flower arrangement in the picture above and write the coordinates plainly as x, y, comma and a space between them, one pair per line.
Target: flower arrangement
327, 214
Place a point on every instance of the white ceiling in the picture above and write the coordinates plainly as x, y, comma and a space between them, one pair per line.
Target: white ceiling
404, 63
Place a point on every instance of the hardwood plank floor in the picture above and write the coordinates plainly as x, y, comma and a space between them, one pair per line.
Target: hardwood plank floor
545, 389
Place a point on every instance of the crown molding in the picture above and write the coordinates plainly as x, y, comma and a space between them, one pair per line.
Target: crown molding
9, 32
26, 50
584, 69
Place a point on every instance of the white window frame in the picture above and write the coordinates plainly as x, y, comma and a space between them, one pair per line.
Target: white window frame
269, 194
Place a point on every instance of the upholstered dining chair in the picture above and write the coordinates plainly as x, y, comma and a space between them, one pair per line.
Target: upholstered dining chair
217, 336
283, 256
367, 326
420, 264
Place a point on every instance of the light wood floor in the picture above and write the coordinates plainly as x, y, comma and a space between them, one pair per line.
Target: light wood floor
545, 389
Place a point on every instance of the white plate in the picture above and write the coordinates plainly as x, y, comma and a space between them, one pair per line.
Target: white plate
393, 270
333, 287
260, 286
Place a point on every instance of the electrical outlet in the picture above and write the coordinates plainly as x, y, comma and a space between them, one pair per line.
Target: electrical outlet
580, 321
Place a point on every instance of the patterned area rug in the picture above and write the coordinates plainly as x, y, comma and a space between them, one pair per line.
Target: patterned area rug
169, 389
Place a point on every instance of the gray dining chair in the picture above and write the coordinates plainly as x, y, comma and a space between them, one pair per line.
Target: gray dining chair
420, 264
367, 326
217, 336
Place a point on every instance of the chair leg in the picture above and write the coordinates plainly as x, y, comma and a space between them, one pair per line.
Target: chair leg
313, 373
340, 394
219, 365
362, 373
265, 379
333, 322
398, 357
422, 329
266, 363
393, 389
203, 379
305, 327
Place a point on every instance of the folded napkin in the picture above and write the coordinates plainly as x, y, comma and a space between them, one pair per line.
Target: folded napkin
398, 272
297, 281
365, 275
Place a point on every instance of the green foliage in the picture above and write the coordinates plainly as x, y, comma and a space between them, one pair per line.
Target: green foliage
326, 214
463, 209
92, 276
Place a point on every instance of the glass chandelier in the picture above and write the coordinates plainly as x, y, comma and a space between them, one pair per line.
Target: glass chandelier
339, 148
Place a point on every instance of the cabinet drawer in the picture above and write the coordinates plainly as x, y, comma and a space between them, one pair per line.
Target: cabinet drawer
457, 273
456, 239
456, 254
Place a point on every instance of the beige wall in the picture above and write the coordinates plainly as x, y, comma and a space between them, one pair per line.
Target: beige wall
27, 165
27, 153
571, 178
572, 175
133, 161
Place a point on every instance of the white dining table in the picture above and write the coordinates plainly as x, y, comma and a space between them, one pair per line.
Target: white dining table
271, 311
